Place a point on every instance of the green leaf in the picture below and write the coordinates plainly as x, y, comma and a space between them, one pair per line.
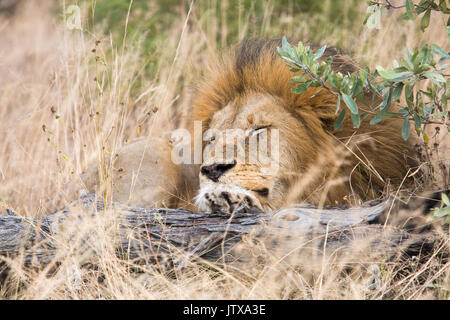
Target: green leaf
332, 80
287, 52
421, 9
425, 137
375, 120
410, 10
439, 51
425, 20
356, 120
300, 89
417, 60
300, 47
392, 75
445, 199
444, 66
381, 116
338, 104
319, 53
387, 100
405, 129
435, 77
408, 58
284, 43
373, 17
339, 120
364, 115
351, 104
357, 87
406, 64
409, 95
397, 92
300, 78
417, 121
441, 212
424, 67
400, 69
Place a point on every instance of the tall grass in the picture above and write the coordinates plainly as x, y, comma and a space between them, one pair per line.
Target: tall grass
69, 98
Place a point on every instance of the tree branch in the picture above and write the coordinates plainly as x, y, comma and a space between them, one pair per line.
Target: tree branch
152, 234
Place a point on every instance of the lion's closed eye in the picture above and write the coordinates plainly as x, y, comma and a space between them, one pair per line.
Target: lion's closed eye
258, 130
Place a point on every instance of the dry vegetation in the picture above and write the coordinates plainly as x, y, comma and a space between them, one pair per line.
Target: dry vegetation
67, 99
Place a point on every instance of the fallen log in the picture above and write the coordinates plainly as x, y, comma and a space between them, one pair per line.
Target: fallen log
153, 234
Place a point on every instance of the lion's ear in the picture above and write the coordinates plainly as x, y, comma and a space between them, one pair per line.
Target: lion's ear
326, 116
321, 105
316, 118
325, 110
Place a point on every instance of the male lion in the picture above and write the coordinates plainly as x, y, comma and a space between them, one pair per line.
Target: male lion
250, 90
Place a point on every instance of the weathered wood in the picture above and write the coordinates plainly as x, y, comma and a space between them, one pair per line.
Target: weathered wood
149, 234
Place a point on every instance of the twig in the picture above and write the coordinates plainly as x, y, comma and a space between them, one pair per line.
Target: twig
390, 5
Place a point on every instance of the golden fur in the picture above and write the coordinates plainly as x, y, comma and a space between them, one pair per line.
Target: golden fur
250, 89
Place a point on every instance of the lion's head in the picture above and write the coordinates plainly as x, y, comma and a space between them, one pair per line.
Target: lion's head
248, 98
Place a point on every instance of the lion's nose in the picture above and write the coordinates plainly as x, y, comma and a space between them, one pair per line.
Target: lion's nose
214, 171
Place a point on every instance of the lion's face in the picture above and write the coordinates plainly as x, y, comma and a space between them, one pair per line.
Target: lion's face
251, 175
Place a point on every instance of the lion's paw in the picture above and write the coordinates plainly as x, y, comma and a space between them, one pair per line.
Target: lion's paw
226, 198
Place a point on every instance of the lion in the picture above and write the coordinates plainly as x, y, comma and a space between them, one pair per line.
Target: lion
249, 90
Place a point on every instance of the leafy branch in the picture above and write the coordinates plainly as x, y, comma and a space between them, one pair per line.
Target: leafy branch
412, 11
422, 106
444, 210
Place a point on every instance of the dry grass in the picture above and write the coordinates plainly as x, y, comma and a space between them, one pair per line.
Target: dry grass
62, 107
